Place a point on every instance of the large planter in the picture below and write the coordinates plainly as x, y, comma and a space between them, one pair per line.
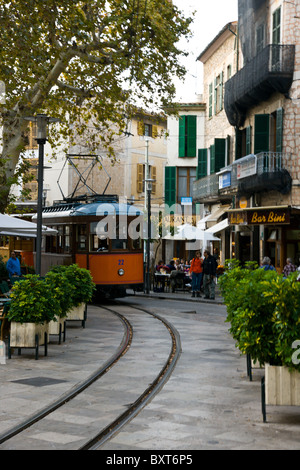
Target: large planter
78, 313
58, 328
28, 335
280, 386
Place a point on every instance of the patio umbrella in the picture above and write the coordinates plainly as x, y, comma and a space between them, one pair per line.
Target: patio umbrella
189, 232
14, 226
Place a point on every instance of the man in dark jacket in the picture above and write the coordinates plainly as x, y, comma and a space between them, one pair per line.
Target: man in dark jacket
209, 267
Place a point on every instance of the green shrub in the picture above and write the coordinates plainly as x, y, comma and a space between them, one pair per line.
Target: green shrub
81, 280
62, 290
32, 301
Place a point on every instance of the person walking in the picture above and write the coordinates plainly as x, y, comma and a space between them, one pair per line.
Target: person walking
196, 272
209, 274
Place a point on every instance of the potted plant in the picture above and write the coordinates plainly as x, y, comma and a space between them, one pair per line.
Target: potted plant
62, 290
264, 311
32, 307
83, 291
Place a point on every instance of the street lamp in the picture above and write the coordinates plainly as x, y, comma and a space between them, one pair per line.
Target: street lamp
42, 121
148, 189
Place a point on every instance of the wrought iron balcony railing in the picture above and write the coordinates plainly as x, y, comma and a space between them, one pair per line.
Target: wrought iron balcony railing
271, 70
265, 171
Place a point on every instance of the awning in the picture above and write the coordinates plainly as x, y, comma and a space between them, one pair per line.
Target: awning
218, 227
16, 227
189, 232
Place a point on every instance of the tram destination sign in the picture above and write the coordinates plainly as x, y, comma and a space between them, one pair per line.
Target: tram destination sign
265, 216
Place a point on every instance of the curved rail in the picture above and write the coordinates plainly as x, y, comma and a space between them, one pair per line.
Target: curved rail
73, 392
114, 427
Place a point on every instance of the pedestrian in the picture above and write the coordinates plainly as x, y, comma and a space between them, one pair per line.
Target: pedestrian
209, 275
13, 266
196, 272
289, 267
267, 265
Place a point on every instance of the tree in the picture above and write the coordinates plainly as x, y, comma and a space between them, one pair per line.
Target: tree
82, 60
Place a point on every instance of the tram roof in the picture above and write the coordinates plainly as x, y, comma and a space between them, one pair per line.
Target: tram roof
106, 208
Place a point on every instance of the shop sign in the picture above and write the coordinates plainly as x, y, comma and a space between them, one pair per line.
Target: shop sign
225, 180
260, 217
246, 167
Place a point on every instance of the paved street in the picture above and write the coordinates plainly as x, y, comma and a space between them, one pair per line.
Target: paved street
208, 403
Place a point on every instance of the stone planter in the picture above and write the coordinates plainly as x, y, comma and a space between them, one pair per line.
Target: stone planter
58, 328
28, 335
78, 313
280, 387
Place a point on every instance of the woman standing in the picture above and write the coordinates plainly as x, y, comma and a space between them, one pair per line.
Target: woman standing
196, 271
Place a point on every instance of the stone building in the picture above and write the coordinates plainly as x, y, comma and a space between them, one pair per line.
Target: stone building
261, 102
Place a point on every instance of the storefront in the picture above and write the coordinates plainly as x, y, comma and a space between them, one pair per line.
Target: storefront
265, 231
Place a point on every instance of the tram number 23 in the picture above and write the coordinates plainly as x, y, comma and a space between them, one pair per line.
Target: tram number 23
120, 262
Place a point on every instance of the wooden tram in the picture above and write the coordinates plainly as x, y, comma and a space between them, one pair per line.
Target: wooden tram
100, 234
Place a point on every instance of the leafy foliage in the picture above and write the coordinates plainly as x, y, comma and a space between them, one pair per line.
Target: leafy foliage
32, 301
80, 279
62, 290
81, 62
264, 313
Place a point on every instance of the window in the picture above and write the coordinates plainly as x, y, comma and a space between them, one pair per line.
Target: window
170, 185
146, 129
202, 163
186, 177
261, 133
229, 71
219, 93
187, 136
217, 155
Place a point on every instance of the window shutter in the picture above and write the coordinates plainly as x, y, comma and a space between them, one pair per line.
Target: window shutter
139, 184
261, 133
181, 139
202, 163
279, 129
170, 185
221, 91
140, 128
153, 177
212, 159
210, 100
191, 136
154, 131
248, 140
220, 149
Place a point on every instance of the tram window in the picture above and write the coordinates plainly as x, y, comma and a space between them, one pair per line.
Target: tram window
60, 239
67, 247
98, 244
81, 237
136, 244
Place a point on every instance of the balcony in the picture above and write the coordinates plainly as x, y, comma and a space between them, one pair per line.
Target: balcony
271, 70
266, 171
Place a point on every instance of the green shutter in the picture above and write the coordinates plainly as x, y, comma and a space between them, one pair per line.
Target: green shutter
220, 150
181, 140
170, 185
279, 129
202, 163
261, 133
191, 148
212, 159
248, 140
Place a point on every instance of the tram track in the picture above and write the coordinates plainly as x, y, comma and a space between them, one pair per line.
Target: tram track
99, 438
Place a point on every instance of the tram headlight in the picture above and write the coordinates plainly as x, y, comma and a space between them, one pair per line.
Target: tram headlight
121, 272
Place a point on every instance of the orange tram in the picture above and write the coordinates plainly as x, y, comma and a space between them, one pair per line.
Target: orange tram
100, 234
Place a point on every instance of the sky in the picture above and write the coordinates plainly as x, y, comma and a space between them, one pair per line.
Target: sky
210, 17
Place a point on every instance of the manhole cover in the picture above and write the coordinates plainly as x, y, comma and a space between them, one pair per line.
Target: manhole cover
39, 381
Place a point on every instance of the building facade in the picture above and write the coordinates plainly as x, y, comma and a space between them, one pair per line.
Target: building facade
261, 102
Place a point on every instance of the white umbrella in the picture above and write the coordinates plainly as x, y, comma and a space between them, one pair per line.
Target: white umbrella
21, 228
189, 232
